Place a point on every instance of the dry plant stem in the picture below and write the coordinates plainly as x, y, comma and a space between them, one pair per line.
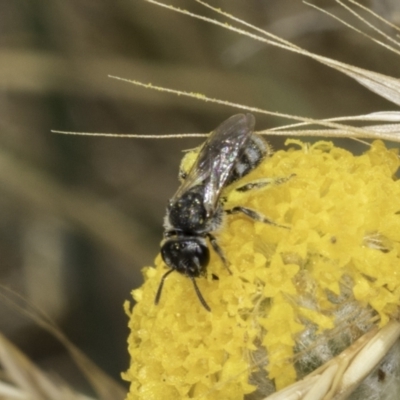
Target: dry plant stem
323, 385
369, 357
338, 130
339, 377
9, 392
383, 85
375, 15
387, 87
295, 391
390, 48
105, 387
29, 381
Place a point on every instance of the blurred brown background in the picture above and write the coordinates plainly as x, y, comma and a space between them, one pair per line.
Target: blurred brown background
80, 216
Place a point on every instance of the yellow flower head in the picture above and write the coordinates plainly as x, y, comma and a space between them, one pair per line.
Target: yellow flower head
301, 289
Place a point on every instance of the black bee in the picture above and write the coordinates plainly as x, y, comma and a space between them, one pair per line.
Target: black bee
195, 211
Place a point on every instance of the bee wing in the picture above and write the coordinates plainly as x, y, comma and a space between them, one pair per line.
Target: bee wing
217, 158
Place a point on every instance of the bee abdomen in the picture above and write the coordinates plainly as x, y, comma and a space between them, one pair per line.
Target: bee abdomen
256, 150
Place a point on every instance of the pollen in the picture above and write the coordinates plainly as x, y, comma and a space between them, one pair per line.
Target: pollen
299, 291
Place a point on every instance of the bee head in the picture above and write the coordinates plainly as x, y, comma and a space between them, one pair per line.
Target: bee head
188, 255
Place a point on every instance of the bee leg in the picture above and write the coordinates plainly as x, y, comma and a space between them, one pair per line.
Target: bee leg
219, 251
260, 183
256, 216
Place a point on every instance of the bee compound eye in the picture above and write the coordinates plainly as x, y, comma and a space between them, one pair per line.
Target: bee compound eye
203, 254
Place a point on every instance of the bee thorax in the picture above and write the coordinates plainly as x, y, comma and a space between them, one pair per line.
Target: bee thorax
188, 212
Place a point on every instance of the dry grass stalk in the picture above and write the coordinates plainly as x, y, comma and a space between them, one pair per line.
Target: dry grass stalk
26, 378
26, 381
339, 377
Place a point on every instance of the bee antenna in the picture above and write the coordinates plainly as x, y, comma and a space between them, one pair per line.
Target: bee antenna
160, 287
199, 295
